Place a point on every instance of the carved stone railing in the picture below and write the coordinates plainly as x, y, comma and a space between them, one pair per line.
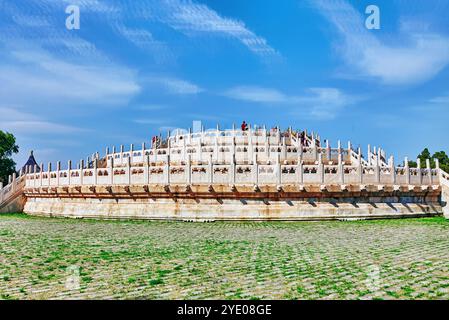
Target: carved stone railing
12, 191
444, 182
239, 173
224, 153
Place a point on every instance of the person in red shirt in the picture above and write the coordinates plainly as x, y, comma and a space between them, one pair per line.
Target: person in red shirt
244, 126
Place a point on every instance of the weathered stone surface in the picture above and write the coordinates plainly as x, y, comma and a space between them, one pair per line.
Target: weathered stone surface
390, 259
243, 204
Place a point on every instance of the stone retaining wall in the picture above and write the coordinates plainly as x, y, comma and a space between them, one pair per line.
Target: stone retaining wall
200, 203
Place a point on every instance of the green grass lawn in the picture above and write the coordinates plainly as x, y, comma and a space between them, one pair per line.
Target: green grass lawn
44, 258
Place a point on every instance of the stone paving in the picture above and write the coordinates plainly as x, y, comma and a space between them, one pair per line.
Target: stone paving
47, 258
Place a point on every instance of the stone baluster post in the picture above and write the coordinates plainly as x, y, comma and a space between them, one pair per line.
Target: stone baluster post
429, 171
146, 169
167, 170
81, 172
198, 149
211, 170
407, 171
377, 168
131, 152
111, 170
300, 170
392, 170
232, 169
41, 176
349, 151
250, 143
278, 135
14, 182
169, 144
69, 171
284, 149
143, 152
184, 149
95, 175
418, 166
216, 149
320, 168
315, 152
437, 167
34, 175
255, 169
360, 166
49, 173
341, 172
369, 155
233, 148
128, 170
328, 151
58, 169
189, 170
267, 143
278, 169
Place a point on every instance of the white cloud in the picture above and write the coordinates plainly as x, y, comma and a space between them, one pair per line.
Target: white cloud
194, 19
39, 78
18, 121
256, 94
187, 17
172, 85
181, 86
441, 99
416, 56
38, 127
13, 113
151, 107
317, 103
149, 121
325, 103
426, 56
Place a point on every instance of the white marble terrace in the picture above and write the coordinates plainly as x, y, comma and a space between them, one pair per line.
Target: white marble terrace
232, 157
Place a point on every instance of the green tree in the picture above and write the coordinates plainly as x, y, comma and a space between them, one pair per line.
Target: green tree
442, 157
7, 148
425, 154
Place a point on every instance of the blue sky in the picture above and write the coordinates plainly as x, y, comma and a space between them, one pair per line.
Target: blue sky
137, 68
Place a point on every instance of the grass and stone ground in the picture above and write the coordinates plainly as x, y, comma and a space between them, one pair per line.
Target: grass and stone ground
46, 258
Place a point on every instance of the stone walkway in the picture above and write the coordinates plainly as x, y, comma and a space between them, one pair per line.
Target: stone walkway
59, 259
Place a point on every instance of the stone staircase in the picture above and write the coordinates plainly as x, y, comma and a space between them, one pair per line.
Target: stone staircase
12, 198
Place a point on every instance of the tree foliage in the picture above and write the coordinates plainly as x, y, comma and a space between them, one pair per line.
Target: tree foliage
8, 147
442, 157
